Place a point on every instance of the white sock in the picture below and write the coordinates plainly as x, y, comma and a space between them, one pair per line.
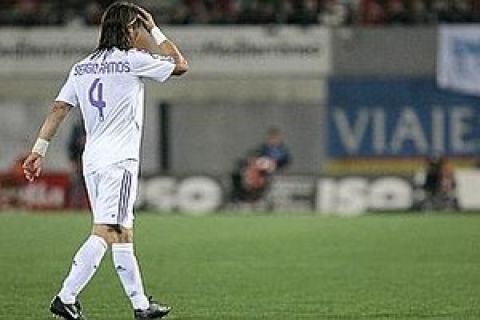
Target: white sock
128, 271
85, 263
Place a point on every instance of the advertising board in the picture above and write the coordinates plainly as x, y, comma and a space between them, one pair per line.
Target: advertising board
400, 118
210, 50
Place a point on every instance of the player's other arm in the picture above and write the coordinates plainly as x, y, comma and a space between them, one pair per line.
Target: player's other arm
157, 40
33, 164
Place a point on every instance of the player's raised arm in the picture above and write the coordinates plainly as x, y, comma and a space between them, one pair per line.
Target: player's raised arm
160, 42
33, 164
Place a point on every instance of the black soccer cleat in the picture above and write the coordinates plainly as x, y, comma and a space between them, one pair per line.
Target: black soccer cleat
154, 311
66, 311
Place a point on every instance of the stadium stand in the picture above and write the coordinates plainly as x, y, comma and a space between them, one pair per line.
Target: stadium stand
303, 12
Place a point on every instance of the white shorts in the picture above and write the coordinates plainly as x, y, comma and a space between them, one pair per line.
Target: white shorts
112, 192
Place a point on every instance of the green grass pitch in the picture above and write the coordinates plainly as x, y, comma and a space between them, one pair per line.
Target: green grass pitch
257, 267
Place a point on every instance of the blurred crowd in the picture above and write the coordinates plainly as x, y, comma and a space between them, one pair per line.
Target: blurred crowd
304, 12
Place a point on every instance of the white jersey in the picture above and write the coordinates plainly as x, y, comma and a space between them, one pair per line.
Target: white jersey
110, 92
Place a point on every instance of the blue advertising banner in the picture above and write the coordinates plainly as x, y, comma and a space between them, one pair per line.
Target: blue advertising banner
400, 118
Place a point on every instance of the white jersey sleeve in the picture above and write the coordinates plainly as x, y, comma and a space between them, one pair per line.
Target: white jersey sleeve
152, 66
67, 93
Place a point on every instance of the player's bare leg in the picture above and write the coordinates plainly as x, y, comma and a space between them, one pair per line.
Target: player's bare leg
126, 265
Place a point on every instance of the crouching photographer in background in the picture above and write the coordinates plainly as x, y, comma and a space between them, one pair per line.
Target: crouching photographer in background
436, 186
252, 174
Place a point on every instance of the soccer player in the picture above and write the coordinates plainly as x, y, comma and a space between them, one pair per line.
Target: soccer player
108, 87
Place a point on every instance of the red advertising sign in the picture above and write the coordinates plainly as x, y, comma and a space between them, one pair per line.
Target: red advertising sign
49, 191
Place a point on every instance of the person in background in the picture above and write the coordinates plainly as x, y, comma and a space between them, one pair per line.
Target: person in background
438, 184
76, 144
275, 150
251, 177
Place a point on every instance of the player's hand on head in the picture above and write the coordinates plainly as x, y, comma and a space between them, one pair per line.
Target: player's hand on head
147, 19
32, 166
144, 40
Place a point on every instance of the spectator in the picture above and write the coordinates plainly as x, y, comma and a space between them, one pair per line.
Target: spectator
396, 12
335, 13
76, 144
420, 13
93, 13
459, 12
440, 8
303, 12
25, 12
371, 13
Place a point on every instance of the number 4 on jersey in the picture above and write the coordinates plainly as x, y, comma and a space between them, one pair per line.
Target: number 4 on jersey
97, 102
